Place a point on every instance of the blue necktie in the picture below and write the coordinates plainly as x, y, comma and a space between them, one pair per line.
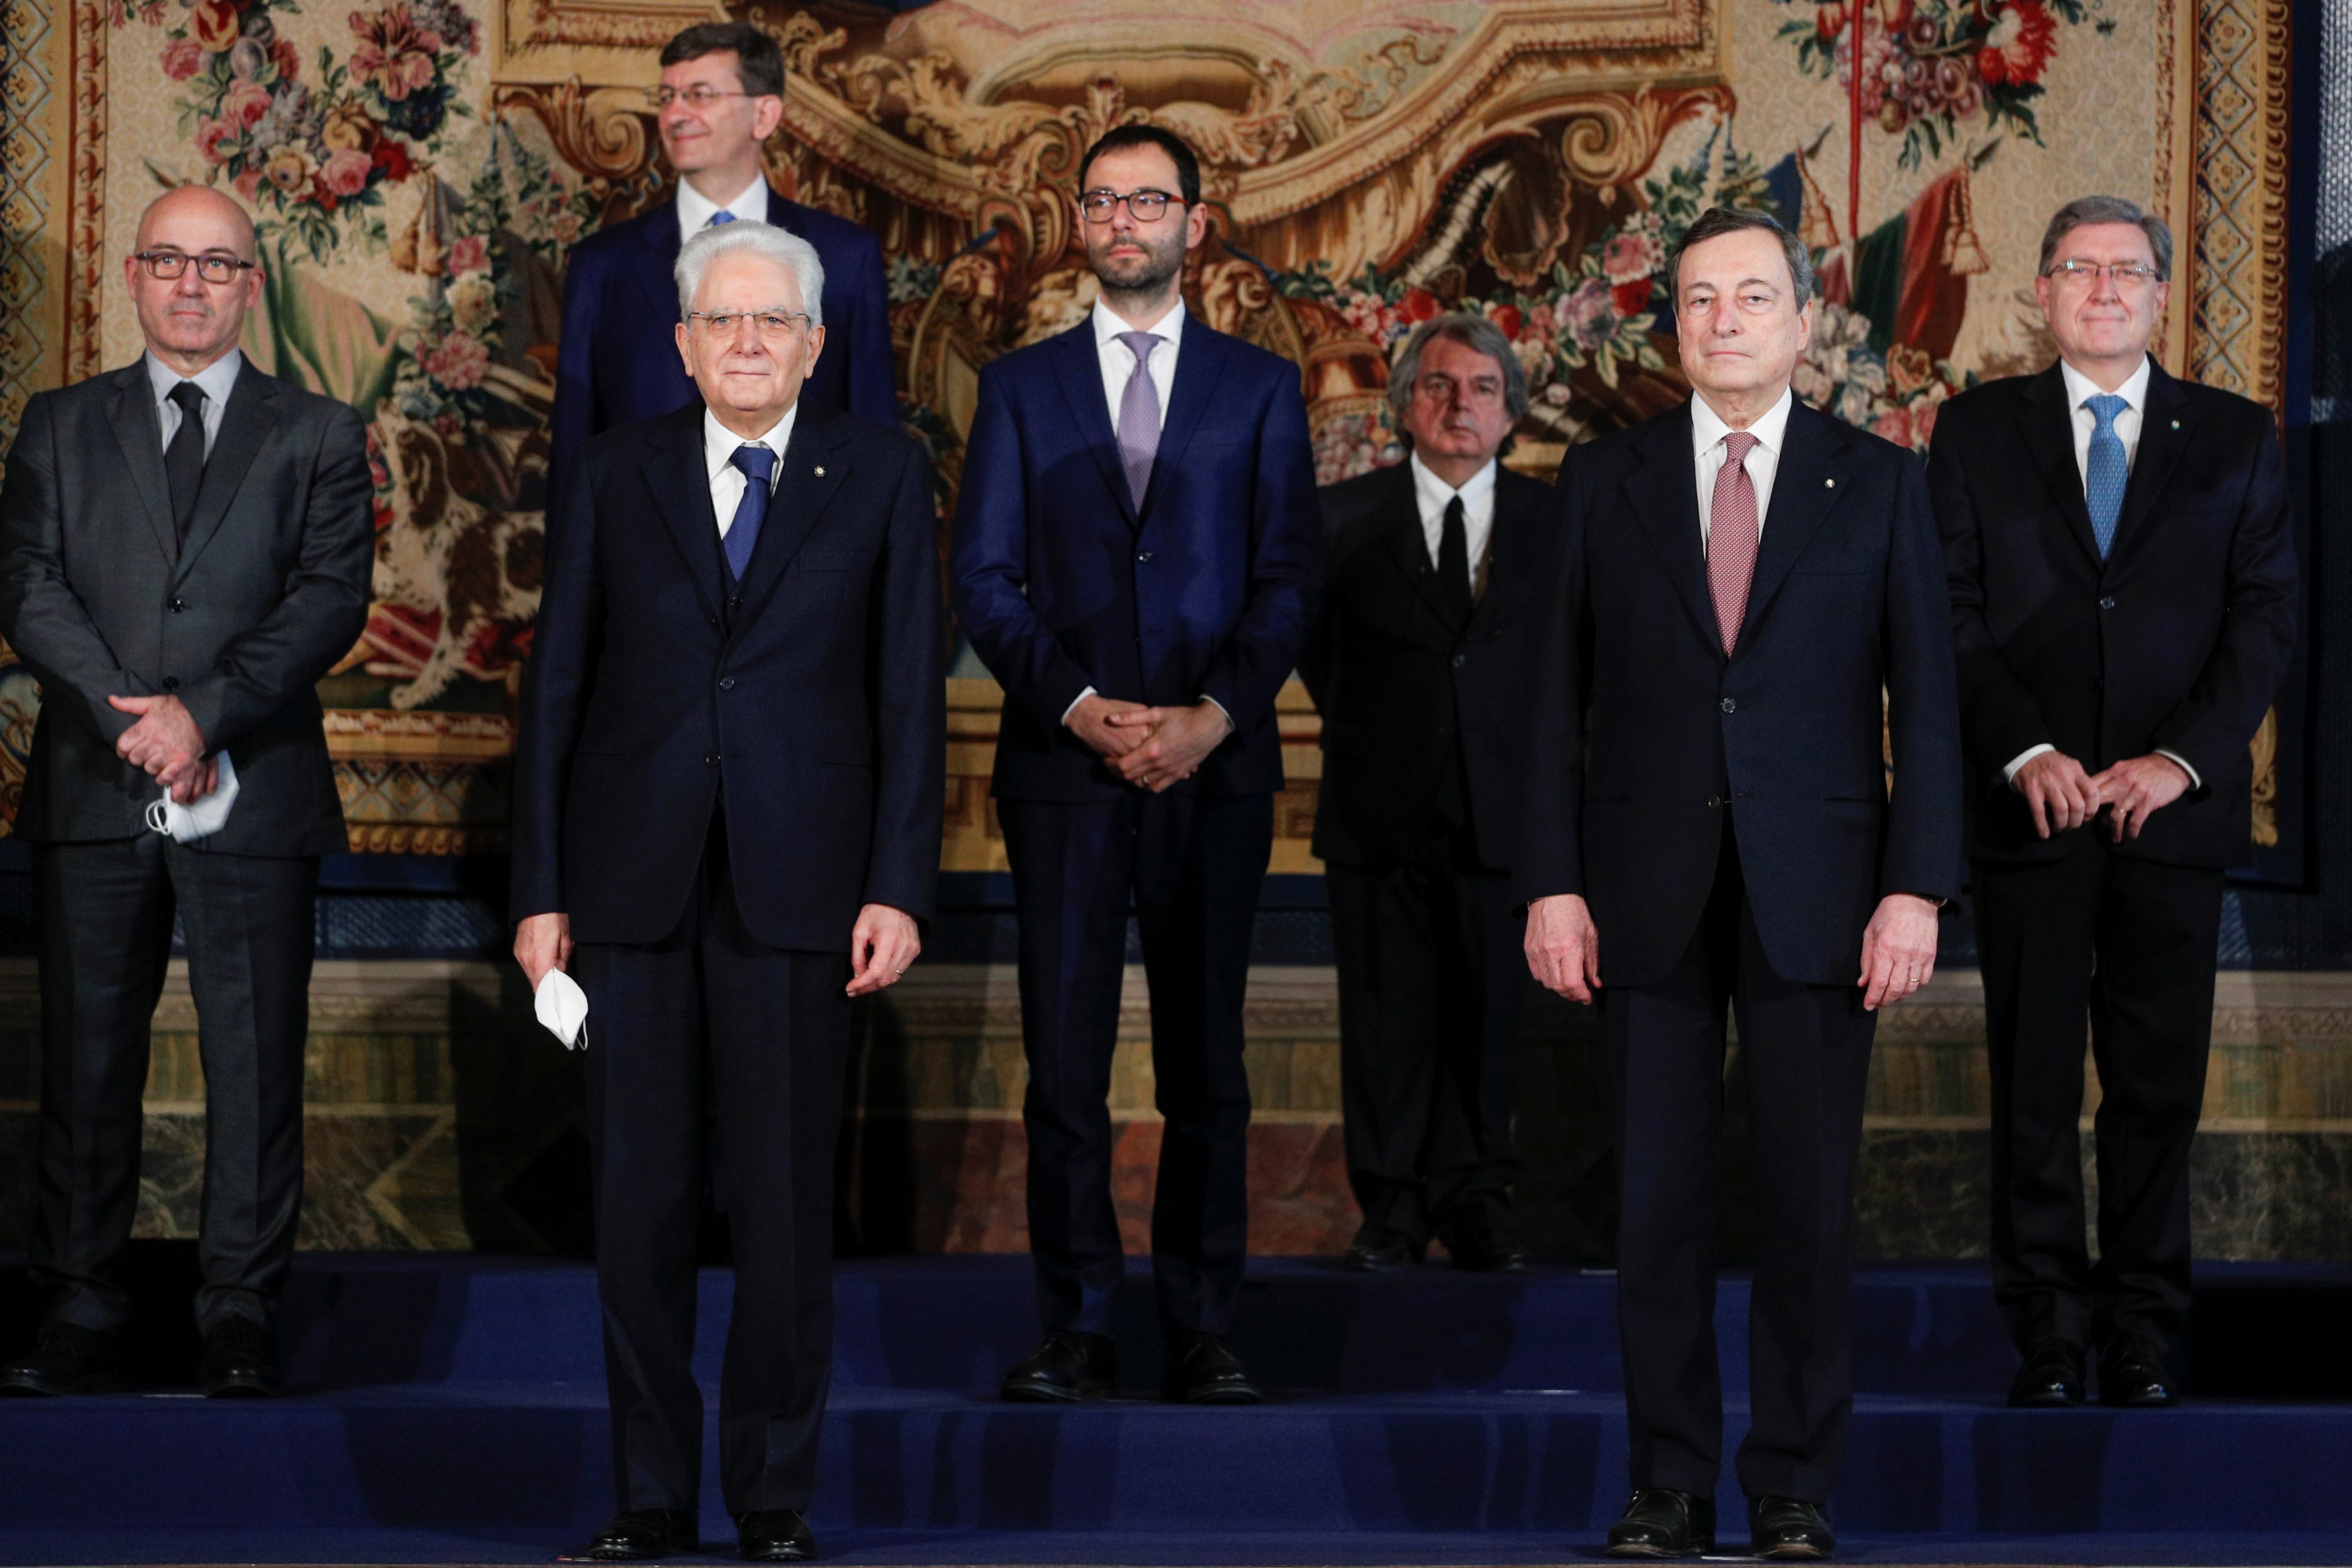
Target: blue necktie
756, 463
721, 216
2105, 475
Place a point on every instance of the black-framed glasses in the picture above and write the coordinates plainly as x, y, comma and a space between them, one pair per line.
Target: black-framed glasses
775, 325
697, 97
212, 267
2082, 274
1145, 205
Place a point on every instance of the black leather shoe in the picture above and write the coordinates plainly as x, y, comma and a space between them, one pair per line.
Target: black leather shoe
647, 1533
2052, 1377
1660, 1522
1069, 1366
1202, 1370
2130, 1374
774, 1535
1789, 1530
1376, 1250
1483, 1247
69, 1358
239, 1361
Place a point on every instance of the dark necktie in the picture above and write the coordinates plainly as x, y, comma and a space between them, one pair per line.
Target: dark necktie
184, 458
756, 463
1453, 561
2105, 473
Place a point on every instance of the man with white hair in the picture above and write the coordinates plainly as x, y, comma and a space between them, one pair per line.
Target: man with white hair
728, 787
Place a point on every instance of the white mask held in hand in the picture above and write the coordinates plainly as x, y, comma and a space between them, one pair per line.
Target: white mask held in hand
562, 1008
205, 816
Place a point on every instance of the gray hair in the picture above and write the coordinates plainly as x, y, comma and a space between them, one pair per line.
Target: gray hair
787, 250
1473, 332
2084, 210
1717, 222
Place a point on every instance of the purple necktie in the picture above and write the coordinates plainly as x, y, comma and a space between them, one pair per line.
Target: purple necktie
1138, 417
1732, 533
756, 463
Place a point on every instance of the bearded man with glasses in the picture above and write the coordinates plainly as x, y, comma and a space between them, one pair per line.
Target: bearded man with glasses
2123, 583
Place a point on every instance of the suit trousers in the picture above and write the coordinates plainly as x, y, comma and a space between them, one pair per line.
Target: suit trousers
2131, 944
1806, 1050
106, 913
709, 1023
1431, 977
1192, 866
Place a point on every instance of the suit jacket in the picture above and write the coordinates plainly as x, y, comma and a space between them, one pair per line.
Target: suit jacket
807, 702
2176, 641
1404, 688
616, 360
1062, 582
98, 598
1643, 735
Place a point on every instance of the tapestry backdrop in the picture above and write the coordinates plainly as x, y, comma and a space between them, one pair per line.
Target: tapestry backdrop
420, 168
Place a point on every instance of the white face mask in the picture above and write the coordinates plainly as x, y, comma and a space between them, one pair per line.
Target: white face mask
562, 1008
206, 817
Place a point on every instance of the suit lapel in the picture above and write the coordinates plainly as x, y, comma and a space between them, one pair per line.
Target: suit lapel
1200, 365
2163, 436
2048, 427
1663, 493
1408, 545
1804, 492
246, 424
130, 414
1079, 370
681, 487
810, 478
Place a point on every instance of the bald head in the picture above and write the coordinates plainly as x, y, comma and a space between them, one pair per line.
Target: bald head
188, 320
189, 208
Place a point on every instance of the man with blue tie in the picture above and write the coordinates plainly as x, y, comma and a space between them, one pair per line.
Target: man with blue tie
2123, 581
1137, 559
721, 96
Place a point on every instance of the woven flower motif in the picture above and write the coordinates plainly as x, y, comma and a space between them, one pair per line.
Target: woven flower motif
394, 55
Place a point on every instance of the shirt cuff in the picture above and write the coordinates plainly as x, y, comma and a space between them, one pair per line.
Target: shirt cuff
2008, 773
2194, 782
1230, 725
1073, 708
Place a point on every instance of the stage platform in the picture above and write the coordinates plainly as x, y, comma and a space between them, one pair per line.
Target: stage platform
452, 1409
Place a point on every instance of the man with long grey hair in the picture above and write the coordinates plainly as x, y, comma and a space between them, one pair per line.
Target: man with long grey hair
1416, 664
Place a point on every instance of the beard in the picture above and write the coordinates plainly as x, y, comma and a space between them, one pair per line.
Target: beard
1147, 274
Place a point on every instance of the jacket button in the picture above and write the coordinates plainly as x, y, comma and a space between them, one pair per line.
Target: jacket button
1713, 802
1460, 659
714, 622
2107, 604
726, 683
2097, 685
170, 683
1143, 555
1445, 729
1731, 705
179, 604
711, 761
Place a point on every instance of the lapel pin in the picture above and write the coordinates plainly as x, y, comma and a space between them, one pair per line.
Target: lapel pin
2176, 425
1829, 484
820, 471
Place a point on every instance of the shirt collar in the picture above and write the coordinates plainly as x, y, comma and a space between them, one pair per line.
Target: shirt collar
719, 443
1107, 324
695, 210
1770, 430
1433, 492
2080, 387
217, 379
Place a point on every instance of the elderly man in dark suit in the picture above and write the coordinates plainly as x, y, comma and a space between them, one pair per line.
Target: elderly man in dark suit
1136, 558
184, 550
729, 789
2123, 584
1707, 824
721, 95
1418, 665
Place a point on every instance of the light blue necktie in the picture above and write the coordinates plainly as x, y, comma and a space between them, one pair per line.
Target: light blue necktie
721, 216
756, 463
2105, 475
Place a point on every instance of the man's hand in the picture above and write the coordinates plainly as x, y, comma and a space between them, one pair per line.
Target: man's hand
2136, 786
2058, 792
1563, 947
1179, 741
1899, 950
544, 943
881, 945
1090, 721
165, 743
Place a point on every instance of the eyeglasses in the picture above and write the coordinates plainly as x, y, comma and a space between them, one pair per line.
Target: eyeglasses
697, 97
1144, 206
1482, 391
169, 265
775, 325
2082, 274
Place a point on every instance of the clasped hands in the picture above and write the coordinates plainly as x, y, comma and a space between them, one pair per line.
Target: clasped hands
1150, 747
2061, 795
167, 745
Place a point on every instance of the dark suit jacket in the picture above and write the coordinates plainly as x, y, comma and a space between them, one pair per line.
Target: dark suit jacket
616, 362
98, 597
807, 702
2178, 641
1643, 733
1062, 583
1395, 676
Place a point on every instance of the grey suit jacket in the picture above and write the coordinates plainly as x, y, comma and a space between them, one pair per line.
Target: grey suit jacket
98, 599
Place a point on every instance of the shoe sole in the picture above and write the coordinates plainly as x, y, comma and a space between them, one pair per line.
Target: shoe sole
1643, 1550
1046, 1393
1227, 1397
1794, 1552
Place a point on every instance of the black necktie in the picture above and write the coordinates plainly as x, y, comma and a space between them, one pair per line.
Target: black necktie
1453, 561
184, 460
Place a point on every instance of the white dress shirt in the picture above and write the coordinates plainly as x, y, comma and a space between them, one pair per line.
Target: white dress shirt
1708, 453
727, 481
1477, 493
2080, 390
695, 210
218, 379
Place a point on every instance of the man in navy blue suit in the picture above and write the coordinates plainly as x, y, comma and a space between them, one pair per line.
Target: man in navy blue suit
721, 95
729, 788
1705, 824
1137, 559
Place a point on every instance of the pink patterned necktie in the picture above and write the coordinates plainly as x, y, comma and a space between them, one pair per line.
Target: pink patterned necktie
1732, 532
